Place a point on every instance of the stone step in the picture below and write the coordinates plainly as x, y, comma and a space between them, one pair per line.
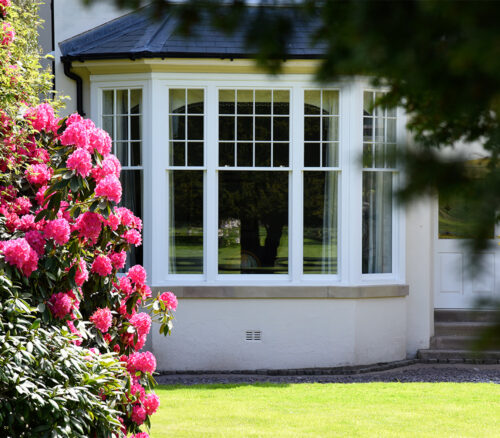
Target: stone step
460, 328
453, 342
458, 356
460, 315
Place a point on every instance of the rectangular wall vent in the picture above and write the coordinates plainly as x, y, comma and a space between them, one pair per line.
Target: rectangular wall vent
253, 335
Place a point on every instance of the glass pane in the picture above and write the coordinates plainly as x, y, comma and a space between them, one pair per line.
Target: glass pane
312, 154
177, 127
177, 100
367, 129
330, 128
195, 127
135, 101
195, 101
226, 101
262, 128
320, 222
330, 102
263, 101
122, 128
135, 128
108, 102
281, 102
245, 128
226, 128
253, 222
312, 101
330, 153
245, 101
262, 154
280, 154
368, 155
122, 101
177, 153
379, 156
226, 154
186, 222
379, 129
281, 129
107, 125
379, 109
390, 155
391, 130
135, 154
312, 128
121, 152
377, 223
195, 154
368, 103
132, 199
245, 154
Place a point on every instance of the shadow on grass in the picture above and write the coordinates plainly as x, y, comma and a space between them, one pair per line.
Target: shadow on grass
214, 386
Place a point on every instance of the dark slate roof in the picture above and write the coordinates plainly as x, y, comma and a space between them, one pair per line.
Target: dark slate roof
138, 35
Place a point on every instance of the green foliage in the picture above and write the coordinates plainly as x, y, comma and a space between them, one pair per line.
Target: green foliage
48, 386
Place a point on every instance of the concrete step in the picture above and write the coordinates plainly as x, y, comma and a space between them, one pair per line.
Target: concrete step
453, 342
458, 356
461, 315
460, 328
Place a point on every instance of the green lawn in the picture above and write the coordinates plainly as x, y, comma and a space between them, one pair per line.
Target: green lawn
329, 410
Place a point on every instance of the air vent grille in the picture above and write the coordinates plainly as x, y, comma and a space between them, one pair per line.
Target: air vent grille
253, 335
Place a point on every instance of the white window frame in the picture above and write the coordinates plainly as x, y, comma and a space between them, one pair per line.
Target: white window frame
155, 88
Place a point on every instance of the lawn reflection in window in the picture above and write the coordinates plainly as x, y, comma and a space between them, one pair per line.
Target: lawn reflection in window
254, 132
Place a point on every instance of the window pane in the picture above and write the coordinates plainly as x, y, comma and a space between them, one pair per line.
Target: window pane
320, 222
122, 101
263, 101
281, 129
195, 127
135, 101
312, 101
312, 128
226, 101
186, 222
245, 128
330, 128
122, 128
195, 154
132, 199
312, 154
263, 128
330, 102
177, 127
262, 154
135, 127
280, 154
226, 154
195, 101
121, 152
368, 103
245, 155
253, 222
135, 153
107, 125
177, 100
281, 102
377, 223
226, 128
108, 102
177, 153
245, 101
330, 153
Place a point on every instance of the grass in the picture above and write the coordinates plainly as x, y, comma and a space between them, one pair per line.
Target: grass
329, 410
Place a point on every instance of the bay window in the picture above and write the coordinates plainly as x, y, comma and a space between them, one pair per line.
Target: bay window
261, 182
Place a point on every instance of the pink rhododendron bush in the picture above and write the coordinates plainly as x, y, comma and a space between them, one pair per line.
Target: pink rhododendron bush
72, 325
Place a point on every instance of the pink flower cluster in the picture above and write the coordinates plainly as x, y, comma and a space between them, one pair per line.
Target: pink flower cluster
43, 118
4, 4
8, 34
143, 362
142, 323
38, 174
83, 134
102, 319
81, 162
170, 300
140, 435
61, 304
110, 188
81, 275
57, 229
137, 274
89, 226
18, 253
102, 266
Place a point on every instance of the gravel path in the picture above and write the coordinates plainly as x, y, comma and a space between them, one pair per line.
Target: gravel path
413, 373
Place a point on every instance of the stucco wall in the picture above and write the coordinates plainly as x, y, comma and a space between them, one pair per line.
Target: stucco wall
210, 334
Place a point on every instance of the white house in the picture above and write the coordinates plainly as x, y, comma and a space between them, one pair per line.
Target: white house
285, 250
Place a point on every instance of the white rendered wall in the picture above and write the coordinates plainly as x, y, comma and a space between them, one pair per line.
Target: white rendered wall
300, 333
71, 18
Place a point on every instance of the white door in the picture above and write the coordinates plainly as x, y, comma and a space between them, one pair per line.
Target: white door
455, 288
